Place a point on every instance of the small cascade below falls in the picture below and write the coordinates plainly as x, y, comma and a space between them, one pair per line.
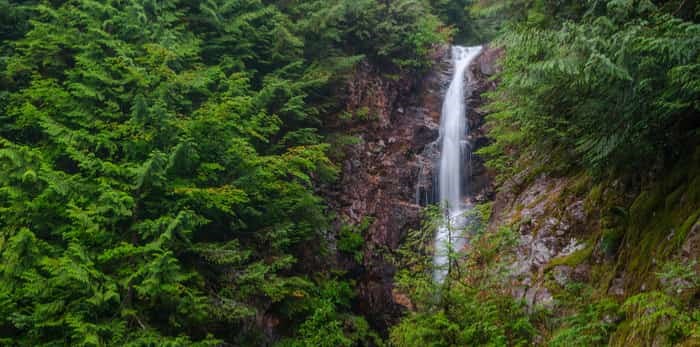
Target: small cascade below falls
454, 152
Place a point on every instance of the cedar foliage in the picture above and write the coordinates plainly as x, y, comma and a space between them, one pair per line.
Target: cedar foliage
610, 92
160, 161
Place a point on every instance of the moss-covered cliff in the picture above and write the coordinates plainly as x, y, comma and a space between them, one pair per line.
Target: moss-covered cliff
613, 259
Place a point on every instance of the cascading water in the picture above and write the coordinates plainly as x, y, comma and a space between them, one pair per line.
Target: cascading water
454, 149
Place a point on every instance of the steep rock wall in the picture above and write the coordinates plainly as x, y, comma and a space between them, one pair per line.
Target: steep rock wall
399, 118
484, 67
612, 234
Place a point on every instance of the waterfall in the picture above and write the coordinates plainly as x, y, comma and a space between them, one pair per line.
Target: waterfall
454, 149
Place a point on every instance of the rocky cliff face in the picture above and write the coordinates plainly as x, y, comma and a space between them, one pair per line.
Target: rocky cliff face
612, 235
482, 70
551, 223
380, 172
609, 235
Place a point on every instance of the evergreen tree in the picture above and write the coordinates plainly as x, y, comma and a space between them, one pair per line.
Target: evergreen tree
160, 161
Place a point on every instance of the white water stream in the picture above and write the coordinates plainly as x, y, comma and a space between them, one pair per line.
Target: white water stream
453, 151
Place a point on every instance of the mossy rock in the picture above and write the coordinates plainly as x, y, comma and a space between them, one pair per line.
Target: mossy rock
682, 233
601, 275
659, 220
693, 341
593, 198
578, 185
644, 207
573, 259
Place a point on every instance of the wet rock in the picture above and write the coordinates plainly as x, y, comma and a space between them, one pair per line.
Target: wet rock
487, 63
384, 175
481, 180
572, 247
389, 173
375, 95
540, 253
425, 134
402, 299
548, 229
577, 212
269, 324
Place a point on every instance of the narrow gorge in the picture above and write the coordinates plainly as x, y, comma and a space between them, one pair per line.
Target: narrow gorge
350, 173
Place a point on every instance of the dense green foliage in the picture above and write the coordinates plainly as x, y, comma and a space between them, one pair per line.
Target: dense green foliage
160, 160
161, 164
456, 14
610, 92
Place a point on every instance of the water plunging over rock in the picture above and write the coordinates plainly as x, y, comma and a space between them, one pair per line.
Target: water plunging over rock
455, 148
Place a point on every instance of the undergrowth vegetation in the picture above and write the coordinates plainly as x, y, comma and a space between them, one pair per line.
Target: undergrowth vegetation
473, 306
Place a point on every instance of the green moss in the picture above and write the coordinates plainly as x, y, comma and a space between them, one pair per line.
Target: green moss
619, 339
572, 259
578, 185
554, 288
675, 197
683, 231
659, 221
602, 275
550, 197
642, 255
644, 206
593, 198
596, 192
518, 213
